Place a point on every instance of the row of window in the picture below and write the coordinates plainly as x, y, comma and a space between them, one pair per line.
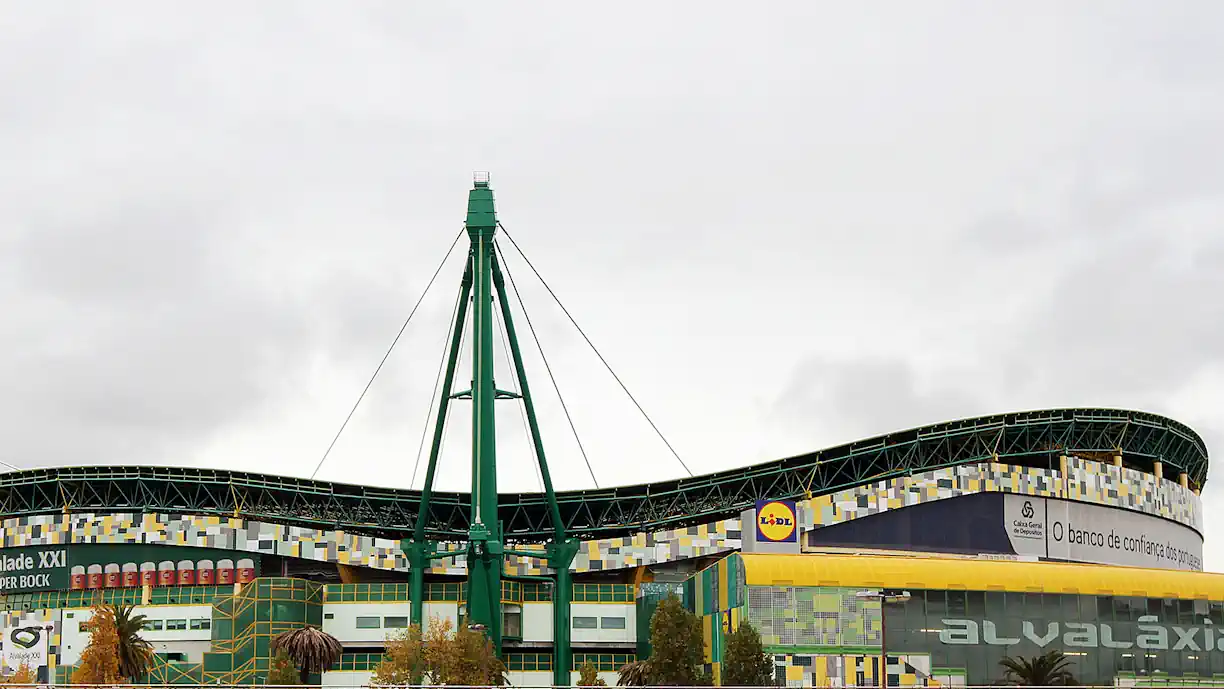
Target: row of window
533, 662
512, 592
389, 622
168, 625
1039, 606
515, 662
178, 625
166, 595
401, 622
599, 623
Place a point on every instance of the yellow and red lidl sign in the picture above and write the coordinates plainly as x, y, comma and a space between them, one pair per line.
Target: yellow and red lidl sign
777, 521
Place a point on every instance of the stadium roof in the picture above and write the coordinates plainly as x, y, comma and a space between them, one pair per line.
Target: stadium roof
1033, 438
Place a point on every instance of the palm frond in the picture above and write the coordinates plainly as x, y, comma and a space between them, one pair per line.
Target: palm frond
311, 649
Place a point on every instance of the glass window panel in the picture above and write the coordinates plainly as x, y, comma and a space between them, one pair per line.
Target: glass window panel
512, 623
368, 623
975, 605
586, 623
1185, 611
995, 608
612, 622
395, 622
956, 603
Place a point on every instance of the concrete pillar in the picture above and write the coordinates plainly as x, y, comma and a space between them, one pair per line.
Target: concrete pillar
1158, 469
1183, 479
1117, 459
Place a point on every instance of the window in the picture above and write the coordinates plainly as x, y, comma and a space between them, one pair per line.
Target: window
395, 622
612, 622
369, 623
586, 623
199, 625
512, 623
152, 625
329, 615
175, 625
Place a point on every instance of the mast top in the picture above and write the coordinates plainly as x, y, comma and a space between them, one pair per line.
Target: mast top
481, 215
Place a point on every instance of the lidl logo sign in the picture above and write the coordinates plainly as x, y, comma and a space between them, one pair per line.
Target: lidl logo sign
776, 521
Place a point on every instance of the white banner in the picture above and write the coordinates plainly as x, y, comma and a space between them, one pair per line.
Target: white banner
1083, 532
25, 645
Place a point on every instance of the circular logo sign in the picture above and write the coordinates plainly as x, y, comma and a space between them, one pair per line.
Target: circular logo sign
776, 521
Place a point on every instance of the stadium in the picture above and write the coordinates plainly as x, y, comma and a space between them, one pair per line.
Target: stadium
918, 558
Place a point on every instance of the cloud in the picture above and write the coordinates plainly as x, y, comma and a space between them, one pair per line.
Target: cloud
857, 398
213, 222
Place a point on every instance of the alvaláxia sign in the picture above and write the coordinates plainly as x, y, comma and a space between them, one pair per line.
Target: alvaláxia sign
1152, 635
36, 568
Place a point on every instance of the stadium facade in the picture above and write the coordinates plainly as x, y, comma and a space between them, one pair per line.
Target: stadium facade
918, 558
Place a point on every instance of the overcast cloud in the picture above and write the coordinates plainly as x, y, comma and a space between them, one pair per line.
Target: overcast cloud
785, 226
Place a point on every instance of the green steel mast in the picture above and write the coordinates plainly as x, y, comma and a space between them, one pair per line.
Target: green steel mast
486, 551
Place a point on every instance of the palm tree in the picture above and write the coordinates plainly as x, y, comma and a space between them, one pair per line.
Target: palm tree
135, 654
1048, 670
310, 648
635, 674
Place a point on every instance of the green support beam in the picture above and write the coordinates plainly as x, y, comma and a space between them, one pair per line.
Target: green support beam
486, 549
561, 551
418, 548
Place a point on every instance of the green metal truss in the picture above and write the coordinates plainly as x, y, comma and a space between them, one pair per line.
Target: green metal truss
1034, 437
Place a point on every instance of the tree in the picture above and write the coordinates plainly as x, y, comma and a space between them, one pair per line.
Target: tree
1047, 670
135, 654
442, 656
678, 651
282, 673
311, 649
464, 657
23, 675
745, 663
100, 659
635, 674
404, 659
588, 676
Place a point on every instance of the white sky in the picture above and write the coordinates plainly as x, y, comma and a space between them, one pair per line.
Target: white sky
786, 225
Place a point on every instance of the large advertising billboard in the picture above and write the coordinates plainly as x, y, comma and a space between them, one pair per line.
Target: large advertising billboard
98, 566
35, 568
1083, 532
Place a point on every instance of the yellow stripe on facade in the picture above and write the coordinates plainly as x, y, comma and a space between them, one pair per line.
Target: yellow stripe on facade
979, 575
